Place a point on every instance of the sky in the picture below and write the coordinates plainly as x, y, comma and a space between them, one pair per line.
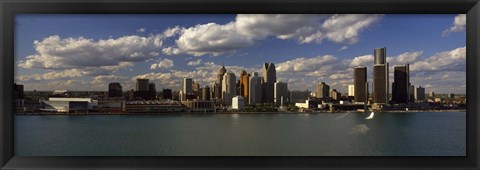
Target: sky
87, 51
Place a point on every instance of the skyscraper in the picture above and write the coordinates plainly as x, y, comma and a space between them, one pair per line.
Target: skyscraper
380, 56
187, 85
219, 83
380, 77
229, 88
244, 79
411, 96
401, 84
269, 78
196, 89
360, 85
187, 91
281, 94
114, 90
323, 90
143, 91
142, 84
255, 89
420, 93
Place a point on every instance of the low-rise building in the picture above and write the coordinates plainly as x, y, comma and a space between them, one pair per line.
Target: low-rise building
237, 102
199, 105
153, 107
56, 104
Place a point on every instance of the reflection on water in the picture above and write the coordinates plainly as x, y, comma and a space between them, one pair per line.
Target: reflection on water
360, 129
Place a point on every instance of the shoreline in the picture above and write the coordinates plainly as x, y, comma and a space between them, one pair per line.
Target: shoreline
211, 113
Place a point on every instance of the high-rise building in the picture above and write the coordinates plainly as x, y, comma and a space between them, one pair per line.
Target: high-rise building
187, 91
212, 90
187, 85
323, 90
229, 88
360, 85
380, 56
380, 84
167, 94
334, 94
18, 91
244, 82
142, 84
151, 87
219, 83
143, 92
411, 98
196, 89
269, 78
401, 84
281, 94
351, 90
380, 76
114, 90
420, 93
432, 94
206, 93
255, 89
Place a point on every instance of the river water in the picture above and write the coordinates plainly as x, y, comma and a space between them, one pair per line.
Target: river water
322, 134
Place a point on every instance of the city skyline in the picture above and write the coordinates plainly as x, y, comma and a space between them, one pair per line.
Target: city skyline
303, 48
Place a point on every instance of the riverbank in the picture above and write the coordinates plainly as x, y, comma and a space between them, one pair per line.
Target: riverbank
197, 113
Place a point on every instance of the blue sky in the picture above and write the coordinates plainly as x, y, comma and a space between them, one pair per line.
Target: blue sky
87, 52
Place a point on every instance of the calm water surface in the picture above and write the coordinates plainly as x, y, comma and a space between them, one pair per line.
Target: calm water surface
339, 134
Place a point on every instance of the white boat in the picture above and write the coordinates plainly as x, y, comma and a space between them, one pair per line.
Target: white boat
371, 116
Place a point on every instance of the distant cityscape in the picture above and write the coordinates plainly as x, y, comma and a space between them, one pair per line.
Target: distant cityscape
251, 92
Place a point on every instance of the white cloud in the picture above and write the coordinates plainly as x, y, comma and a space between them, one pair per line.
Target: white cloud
209, 38
454, 60
459, 24
216, 39
305, 64
343, 48
141, 30
56, 53
346, 28
194, 63
363, 60
404, 58
162, 64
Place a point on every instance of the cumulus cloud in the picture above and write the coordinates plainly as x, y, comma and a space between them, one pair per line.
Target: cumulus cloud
404, 58
216, 39
195, 63
56, 53
363, 60
346, 28
209, 38
454, 60
458, 25
305, 64
162, 64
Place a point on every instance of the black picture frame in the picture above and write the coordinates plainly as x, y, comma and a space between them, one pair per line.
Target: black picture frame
9, 8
